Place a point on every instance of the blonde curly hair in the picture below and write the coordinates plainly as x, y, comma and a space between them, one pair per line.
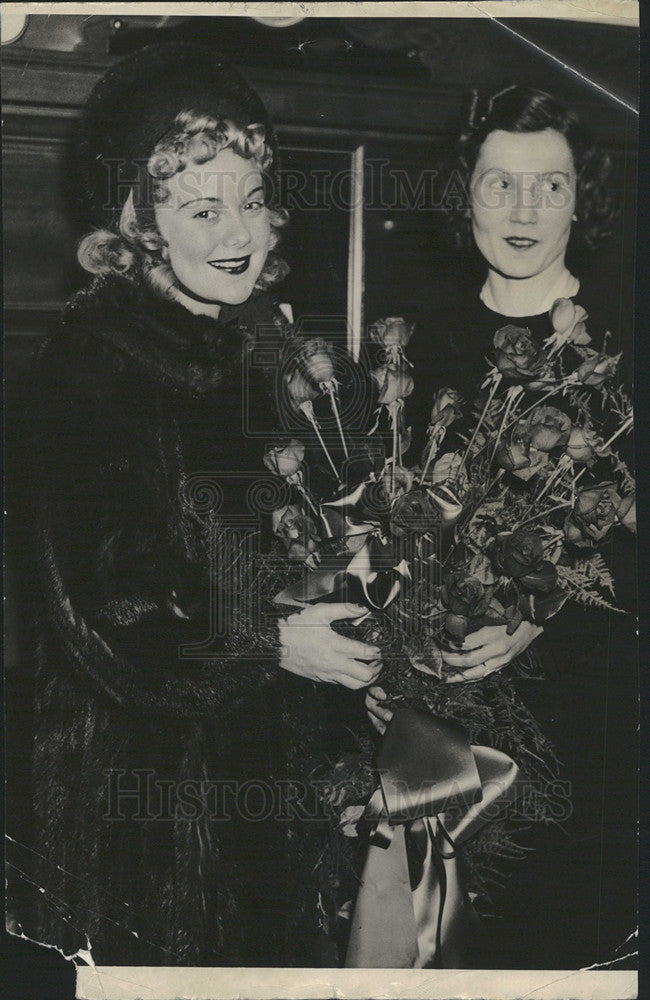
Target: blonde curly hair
136, 250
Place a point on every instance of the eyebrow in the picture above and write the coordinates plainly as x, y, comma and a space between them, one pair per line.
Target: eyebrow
546, 173
194, 201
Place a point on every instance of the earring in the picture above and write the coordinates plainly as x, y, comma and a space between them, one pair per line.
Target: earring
164, 253
574, 217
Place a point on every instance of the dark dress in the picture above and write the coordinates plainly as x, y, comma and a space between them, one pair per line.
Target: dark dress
573, 901
148, 481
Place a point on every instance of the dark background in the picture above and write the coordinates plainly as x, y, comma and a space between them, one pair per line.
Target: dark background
399, 87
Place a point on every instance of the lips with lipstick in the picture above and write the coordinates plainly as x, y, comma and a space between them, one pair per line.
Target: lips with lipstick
520, 242
232, 265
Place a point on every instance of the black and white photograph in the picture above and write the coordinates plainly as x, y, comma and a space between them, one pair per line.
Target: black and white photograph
321, 635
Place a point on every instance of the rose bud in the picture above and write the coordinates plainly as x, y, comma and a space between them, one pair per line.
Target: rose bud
315, 360
626, 512
518, 357
415, 513
446, 407
284, 459
446, 469
514, 454
392, 332
403, 479
299, 389
562, 314
548, 428
582, 445
579, 335
297, 531
597, 369
394, 382
565, 316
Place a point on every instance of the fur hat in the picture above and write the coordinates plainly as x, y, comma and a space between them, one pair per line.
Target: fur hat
135, 104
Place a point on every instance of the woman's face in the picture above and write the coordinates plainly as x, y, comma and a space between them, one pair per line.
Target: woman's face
523, 193
216, 226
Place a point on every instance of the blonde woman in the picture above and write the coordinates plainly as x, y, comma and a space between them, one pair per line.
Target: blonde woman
157, 746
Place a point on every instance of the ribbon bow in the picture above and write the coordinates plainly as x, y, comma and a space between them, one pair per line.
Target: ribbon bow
435, 792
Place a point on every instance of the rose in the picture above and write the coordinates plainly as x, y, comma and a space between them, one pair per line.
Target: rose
391, 332
297, 531
299, 389
403, 479
472, 563
595, 512
568, 321
415, 512
582, 445
516, 454
520, 554
284, 459
465, 599
597, 368
394, 382
518, 357
446, 407
315, 360
548, 428
446, 469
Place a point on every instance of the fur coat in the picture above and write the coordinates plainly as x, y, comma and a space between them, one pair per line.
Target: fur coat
138, 414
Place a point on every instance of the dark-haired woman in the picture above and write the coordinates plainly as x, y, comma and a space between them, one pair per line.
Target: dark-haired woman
165, 831
539, 188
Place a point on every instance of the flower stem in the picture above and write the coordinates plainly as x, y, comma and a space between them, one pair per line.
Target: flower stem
392, 471
625, 426
332, 395
543, 513
303, 492
495, 386
512, 398
436, 440
311, 416
538, 402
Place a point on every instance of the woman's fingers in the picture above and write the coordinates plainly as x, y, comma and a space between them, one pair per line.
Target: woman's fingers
483, 636
495, 651
353, 648
463, 661
379, 711
473, 674
335, 612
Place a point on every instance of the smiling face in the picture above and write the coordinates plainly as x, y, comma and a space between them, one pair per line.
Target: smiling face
523, 193
217, 229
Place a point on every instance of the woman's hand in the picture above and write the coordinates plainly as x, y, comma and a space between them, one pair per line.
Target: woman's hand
378, 712
488, 650
310, 648
485, 651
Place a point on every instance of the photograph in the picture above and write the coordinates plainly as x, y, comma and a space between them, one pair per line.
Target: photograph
321, 649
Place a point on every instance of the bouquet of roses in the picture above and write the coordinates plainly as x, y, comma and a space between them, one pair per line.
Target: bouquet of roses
502, 529
502, 519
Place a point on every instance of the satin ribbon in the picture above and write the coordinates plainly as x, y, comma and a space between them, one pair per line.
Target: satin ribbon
435, 792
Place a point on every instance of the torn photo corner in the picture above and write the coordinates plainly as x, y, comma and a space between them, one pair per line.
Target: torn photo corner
321, 652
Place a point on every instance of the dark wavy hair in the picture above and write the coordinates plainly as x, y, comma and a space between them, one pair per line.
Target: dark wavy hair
517, 108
